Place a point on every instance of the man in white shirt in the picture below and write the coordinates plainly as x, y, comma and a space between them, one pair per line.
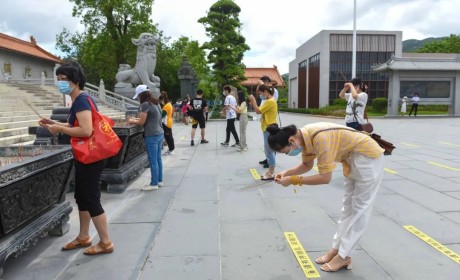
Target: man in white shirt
230, 101
415, 100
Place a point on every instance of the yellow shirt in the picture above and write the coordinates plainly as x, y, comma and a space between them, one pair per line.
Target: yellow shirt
243, 108
169, 114
269, 110
332, 146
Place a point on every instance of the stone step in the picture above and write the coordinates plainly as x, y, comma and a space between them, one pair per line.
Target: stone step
18, 124
31, 142
14, 131
10, 140
16, 118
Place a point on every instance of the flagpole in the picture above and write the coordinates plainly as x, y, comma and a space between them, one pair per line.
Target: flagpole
353, 62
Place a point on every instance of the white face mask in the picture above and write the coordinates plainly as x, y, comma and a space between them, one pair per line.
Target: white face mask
223, 93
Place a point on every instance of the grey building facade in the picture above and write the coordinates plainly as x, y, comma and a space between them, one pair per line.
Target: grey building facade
323, 64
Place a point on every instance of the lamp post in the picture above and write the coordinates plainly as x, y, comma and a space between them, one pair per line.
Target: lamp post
353, 59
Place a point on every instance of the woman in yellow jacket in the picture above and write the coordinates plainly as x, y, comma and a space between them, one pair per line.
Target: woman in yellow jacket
362, 160
167, 116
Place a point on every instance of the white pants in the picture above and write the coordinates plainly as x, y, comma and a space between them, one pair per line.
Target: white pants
361, 188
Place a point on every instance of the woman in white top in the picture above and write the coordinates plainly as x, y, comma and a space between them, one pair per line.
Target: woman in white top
403, 105
356, 97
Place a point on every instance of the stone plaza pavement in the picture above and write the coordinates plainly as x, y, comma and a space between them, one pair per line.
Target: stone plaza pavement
213, 220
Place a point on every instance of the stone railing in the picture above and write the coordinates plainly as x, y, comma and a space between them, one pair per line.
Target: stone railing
110, 98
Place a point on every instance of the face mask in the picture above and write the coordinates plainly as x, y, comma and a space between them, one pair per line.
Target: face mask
262, 97
64, 87
223, 93
294, 152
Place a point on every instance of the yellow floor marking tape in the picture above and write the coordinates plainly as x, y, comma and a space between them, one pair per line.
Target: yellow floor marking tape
255, 174
182, 138
316, 168
391, 171
304, 261
435, 244
411, 145
444, 166
450, 144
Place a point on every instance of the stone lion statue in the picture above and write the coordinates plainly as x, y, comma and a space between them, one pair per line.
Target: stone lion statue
143, 71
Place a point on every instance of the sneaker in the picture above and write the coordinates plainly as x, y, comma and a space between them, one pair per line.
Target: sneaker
266, 165
149, 188
192, 143
168, 153
204, 141
224, 144
263, 161
160, 184
236, 145
245, 149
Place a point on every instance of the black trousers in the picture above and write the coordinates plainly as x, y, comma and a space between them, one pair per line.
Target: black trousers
87, 190
231, 129
414, 106
169, 137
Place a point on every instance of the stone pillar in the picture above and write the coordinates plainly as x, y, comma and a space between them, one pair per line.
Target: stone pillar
102, 91
187, 78
43, 79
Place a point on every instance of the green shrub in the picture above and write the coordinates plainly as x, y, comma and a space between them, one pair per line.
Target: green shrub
380, 104
339, 102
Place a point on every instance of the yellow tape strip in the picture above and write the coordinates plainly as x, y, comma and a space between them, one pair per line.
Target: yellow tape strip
411, 145
316, 168
435, 244
444, 166
255, 174
182, 138
450, 144
304, 261
391, 171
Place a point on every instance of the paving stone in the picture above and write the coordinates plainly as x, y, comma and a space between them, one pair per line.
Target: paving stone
182, 268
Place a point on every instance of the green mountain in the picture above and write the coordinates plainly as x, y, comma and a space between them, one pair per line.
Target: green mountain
411, 45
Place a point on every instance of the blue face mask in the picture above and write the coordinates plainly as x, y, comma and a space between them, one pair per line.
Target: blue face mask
64, 87
294, 152
262, 97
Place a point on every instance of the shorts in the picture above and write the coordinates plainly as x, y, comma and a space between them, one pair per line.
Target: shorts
200, 120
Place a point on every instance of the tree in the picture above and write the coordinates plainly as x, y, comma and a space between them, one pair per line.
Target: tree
227, 45
170, 58
106, 41
449, 45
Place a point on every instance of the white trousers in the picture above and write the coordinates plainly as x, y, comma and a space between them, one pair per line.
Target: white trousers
361, 188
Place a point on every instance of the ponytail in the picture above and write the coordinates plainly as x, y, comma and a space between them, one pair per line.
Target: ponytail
279, 136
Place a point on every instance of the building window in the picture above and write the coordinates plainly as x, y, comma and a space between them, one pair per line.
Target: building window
7, 69
426, 89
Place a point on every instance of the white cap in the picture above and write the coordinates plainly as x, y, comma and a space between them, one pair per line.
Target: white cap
140, 89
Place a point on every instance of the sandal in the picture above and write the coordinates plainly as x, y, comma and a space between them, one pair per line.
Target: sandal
336, 264
81, 243
267, 177
106, 248
327, 257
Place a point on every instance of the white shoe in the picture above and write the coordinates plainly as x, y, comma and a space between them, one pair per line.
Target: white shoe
168, 153
245, 149
160, 184
149, 188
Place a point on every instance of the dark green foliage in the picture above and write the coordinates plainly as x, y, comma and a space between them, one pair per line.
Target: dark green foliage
227, 45
450, 44
379, 104
339, 102
412, 45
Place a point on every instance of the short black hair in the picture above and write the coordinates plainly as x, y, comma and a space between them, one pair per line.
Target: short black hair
199, 92
74, 72
265, 78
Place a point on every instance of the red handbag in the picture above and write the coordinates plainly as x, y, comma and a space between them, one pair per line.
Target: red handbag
102, 144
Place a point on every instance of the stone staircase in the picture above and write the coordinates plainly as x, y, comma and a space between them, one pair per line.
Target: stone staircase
16, 116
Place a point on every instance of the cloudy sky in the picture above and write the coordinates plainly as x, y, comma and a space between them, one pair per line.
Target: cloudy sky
273, 29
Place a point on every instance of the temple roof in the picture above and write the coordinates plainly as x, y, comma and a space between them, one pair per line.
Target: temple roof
423, 62
253, 75
28, 48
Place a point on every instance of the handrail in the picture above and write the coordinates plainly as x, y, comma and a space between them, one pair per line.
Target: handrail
110, 98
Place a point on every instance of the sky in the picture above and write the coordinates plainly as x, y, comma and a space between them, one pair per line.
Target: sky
273, 29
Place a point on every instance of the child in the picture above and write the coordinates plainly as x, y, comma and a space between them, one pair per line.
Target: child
403, 106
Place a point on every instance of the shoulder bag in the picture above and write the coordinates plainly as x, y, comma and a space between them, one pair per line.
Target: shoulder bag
102, 144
